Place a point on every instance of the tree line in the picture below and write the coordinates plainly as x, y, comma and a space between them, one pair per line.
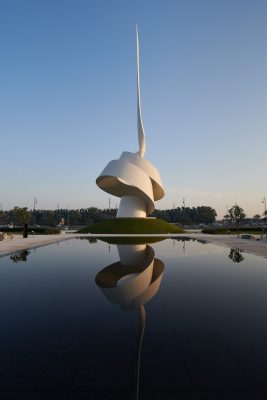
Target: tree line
87, 216
187, 215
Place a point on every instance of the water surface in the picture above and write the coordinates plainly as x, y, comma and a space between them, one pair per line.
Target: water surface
170, 320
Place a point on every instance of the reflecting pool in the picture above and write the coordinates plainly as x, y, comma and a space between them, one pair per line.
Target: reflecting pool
128, 319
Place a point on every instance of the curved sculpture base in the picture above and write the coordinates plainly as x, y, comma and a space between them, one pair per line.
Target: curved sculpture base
131, 207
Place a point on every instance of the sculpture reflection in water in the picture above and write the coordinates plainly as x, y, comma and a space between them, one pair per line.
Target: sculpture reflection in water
132, 282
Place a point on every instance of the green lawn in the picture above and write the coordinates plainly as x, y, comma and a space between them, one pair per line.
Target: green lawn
132, 226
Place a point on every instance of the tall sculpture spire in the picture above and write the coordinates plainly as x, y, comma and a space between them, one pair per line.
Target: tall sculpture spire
141, 132
132, 177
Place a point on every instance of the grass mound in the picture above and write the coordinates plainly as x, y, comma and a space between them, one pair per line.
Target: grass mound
131, 226
131, 239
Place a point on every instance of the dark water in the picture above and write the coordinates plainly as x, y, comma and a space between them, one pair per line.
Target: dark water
170, 320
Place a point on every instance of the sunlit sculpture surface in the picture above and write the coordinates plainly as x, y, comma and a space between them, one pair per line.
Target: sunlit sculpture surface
131, 177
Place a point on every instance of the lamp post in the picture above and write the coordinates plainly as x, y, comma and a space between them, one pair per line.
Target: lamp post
264, 213
34, 203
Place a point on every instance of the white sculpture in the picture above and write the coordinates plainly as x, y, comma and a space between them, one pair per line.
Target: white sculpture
131, 177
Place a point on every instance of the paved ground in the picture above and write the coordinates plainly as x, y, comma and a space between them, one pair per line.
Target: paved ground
249, 246
32, 241
258, 247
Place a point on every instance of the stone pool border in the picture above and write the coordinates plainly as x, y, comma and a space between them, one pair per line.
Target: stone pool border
256, 247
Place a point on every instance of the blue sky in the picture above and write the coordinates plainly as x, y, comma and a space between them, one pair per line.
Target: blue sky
68, 99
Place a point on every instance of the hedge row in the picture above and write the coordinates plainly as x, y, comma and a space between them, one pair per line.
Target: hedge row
224, 231
37, 231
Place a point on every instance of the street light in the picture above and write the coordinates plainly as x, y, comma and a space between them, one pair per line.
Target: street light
34, 203
264, 202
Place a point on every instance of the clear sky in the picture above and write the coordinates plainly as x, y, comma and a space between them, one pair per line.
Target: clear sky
68, 99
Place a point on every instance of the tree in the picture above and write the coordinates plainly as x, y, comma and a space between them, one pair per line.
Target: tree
22, 216
206, 215
236, 214
1, 216
257, 216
